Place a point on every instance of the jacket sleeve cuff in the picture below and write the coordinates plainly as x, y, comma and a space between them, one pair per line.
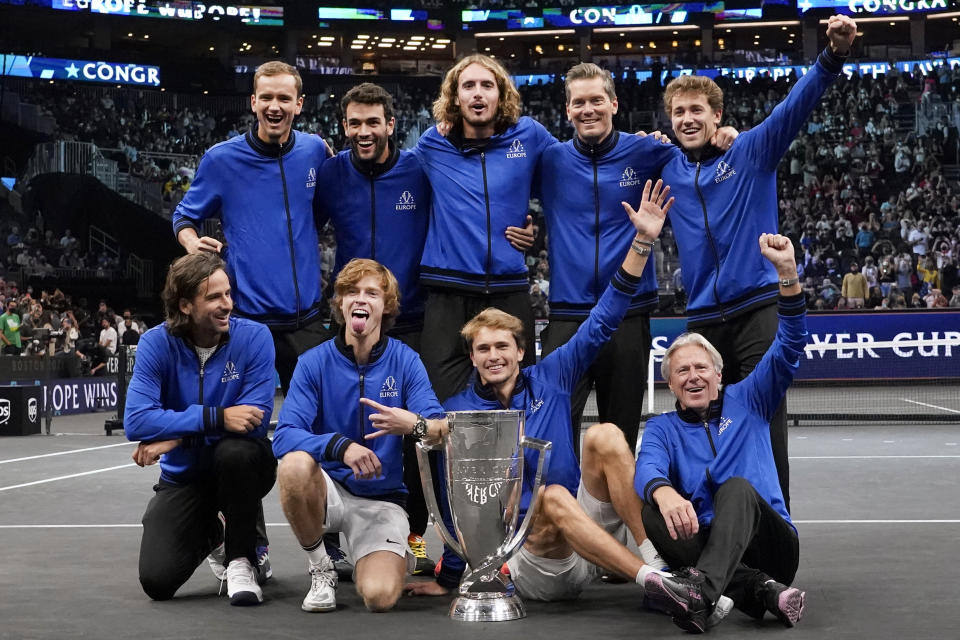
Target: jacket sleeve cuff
832, 62
213, 420
625, 282
652, 486
336, 447
180, 225
795, 305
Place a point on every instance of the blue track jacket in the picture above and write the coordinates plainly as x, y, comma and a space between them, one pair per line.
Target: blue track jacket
477, 194
695, 456
543, 393
589, 232
170, 396
379, 211
726, 200
263, 195
322, 413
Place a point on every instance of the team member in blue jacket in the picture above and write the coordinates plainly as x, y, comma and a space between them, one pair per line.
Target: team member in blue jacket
261, 186
199, 402
582, 183
378, 198
572, 536
338, 438
726, 198
481, 175
707, 475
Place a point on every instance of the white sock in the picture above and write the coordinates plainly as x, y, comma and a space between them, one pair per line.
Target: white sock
650, 555
318, 554
646, 570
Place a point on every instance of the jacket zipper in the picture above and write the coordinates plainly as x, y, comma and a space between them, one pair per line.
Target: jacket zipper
596, 231
713, 245
293, 255
486, 199
706, 427
361, 372
373, 218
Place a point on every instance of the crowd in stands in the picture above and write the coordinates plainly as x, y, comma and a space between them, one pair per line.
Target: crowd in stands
862, 195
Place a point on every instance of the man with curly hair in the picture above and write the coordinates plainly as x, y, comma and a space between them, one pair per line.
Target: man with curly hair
481, 174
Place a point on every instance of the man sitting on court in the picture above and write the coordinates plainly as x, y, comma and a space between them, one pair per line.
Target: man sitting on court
339, 440
712, 501
572, 537
199, 402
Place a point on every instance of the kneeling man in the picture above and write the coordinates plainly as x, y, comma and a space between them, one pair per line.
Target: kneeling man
585, 510
199, 402
707, 476
339, 439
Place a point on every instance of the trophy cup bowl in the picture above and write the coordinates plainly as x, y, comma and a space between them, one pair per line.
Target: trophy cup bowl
483, 465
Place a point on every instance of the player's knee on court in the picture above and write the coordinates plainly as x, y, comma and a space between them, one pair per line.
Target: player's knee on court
158, 586
381, 594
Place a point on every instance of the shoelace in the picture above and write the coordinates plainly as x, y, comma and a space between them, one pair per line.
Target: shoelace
240, 575
320, 577
418, 547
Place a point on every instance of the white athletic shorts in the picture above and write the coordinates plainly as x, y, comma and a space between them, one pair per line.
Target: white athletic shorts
550, 579
367, 525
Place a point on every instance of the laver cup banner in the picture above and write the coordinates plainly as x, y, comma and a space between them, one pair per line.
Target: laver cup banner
483, 466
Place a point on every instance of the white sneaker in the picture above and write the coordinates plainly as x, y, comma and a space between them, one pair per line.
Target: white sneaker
323, 588
217, 561
651, 556
242, 584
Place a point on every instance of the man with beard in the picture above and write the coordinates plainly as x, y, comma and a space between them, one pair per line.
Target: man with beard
481, 173
199, 403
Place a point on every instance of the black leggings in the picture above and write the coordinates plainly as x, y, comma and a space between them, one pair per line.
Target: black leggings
181, 527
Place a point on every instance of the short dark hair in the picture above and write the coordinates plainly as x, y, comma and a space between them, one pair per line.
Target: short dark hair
184, 278
368, 93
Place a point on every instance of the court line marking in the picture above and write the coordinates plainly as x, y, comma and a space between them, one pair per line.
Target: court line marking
64, 453
67, 477
932, 406
286, 525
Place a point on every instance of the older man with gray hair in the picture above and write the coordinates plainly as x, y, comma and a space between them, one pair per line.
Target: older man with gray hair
707, 477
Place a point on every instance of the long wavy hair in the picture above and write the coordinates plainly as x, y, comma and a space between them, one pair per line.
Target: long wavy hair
446, 109
184, 279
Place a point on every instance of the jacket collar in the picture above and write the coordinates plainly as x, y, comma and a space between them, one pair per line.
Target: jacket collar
457, 139
598, 150
486, 392
703, 154
373, 169
267, 149
713, 411
340, 343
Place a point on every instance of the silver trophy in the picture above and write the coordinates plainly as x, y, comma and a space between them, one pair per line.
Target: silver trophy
483, 469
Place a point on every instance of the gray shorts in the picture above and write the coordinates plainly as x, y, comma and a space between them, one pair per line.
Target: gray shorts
367, 525
549, 579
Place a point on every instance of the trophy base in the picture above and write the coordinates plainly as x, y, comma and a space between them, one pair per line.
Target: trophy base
487, 607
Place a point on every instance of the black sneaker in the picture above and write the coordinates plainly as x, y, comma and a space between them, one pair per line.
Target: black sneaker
681, 596
786, 603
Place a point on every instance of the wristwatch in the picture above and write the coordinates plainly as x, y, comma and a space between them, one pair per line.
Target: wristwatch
789, 282
419, 429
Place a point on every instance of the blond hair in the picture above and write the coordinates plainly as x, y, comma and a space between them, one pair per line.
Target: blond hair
446, 109
495, 319
697, 85
588, 71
